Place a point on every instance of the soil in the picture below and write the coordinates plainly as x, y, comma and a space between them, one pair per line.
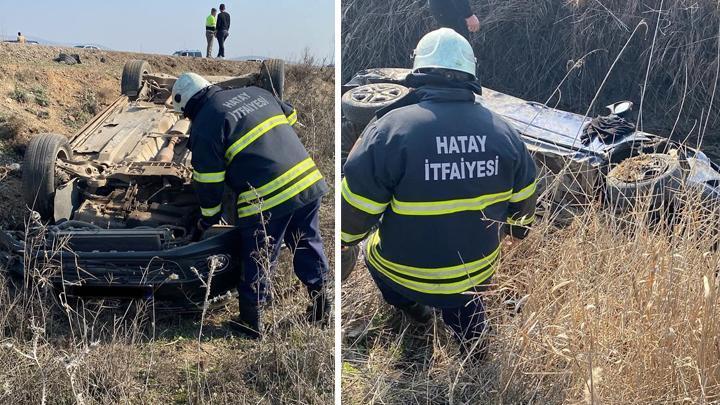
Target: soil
638, 168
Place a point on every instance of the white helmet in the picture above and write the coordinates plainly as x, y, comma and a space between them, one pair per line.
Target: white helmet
445, 49
185, 87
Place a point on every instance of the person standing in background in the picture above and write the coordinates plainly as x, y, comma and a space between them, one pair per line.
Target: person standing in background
20, 38
455, 14
223, 30
210, 23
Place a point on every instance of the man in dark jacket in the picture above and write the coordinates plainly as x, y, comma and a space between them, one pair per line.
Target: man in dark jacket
223, 30
445, 179
243, 138
455, 14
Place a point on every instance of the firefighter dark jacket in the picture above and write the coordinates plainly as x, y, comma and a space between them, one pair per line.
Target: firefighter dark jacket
457, 9
244, 138
444, 178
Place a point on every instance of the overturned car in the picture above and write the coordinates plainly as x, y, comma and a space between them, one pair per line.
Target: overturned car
114, 211
579, 160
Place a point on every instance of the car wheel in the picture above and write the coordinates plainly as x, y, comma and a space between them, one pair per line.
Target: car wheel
132, 78
360, 104
654, 176
66, 59
348, 136
272, 72
39, 178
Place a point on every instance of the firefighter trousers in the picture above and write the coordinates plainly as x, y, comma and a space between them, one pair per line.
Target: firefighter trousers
467, 322
260, 246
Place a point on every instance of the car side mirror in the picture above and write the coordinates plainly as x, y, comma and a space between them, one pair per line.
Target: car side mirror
621, 108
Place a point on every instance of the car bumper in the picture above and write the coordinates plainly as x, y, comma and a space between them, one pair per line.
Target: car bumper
179, 275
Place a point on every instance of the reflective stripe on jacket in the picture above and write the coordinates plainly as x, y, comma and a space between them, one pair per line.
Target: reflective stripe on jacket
244, 138
445, 178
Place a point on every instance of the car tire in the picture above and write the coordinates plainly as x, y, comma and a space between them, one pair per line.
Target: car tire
662, 175
348, 136
272, 74
39, 179
360, 104
66, 59
132, 78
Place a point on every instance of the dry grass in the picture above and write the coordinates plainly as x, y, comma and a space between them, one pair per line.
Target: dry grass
526, 48
601, 311
55, 350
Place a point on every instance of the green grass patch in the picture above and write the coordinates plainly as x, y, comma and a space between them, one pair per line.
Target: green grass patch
41, 97
19, 95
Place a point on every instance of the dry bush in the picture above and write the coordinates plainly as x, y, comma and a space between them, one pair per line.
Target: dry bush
613, 308
10, 128
525, 48
54, 349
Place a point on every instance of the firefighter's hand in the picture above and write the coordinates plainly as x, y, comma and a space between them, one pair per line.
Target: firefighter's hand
473, 23
510, 241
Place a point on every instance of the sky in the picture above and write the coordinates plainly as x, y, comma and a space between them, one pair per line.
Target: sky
266, 28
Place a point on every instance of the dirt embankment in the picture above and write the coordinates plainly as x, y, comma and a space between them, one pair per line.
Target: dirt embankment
97, 354
39, 95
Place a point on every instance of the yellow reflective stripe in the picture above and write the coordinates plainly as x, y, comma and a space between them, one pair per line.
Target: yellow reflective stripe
292, 118
427, 288
525, 193
280, 198
209, 212
350, 238
431, 288
433, 272
253, 134
362, 203
449, 206
216, 177
278, 183
524, 221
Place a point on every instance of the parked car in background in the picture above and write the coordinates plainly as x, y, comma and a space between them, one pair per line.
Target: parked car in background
189, 52
88, 47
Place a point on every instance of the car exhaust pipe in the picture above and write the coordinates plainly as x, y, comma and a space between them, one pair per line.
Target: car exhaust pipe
166, 154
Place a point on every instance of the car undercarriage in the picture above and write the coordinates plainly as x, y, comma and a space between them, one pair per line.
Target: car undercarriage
114, 212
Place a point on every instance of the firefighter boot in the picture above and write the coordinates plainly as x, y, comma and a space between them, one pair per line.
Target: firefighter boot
249, 322
417, 312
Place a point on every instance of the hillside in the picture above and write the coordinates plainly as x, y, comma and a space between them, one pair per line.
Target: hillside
113, 352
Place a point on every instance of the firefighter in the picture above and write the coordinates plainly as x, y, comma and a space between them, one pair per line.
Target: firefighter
442, 179
243, 138
455, 14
